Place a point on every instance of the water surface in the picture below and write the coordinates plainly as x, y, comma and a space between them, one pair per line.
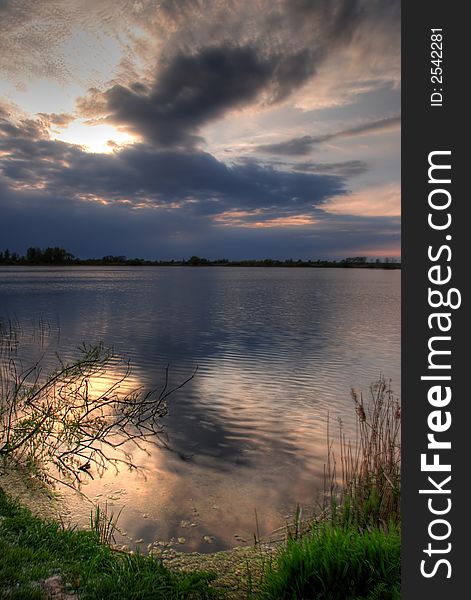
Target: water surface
277, 349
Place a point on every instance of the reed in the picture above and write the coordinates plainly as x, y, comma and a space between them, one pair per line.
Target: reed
104, 523
352, 549
365, 490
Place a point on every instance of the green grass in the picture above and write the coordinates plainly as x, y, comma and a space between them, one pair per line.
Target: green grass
354, 553
33, 550
337, 563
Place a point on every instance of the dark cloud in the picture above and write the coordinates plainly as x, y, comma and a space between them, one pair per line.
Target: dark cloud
188, 92
28, 156
191, 90
89, 229
290, 72
140, 174
27, 129
301, 146
195, 83
294, 36
347, 168
343, 169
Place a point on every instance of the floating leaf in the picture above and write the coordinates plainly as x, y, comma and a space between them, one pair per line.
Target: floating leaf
209, 539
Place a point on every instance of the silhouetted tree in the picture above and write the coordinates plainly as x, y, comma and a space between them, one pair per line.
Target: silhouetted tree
55, 256
196, 261
34, 256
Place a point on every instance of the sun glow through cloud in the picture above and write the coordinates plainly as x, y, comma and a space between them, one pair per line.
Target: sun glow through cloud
99, 139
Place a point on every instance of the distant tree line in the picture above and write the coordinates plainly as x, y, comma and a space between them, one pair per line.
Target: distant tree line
37, 256
60, 256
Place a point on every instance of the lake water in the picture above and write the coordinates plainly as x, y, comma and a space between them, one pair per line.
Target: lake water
277, 349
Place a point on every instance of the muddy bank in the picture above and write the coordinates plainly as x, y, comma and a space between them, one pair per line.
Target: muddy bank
238, 570
41, 499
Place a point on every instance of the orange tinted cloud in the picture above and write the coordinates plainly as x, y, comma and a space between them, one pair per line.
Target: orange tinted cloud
375, 201
241, 218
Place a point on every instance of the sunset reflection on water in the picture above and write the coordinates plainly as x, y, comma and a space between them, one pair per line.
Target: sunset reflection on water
277, 350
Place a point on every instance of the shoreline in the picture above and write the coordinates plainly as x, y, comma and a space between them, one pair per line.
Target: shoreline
276, 265
237, 570
42, 500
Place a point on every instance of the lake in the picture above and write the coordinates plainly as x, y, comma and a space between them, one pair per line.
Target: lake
277, 350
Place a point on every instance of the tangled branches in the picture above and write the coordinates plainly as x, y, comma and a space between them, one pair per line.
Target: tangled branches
64, 428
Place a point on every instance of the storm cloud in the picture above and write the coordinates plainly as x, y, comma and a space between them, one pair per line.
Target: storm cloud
196, 83
192, 90
141, 174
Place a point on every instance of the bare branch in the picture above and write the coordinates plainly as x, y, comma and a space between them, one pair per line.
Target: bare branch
65, 428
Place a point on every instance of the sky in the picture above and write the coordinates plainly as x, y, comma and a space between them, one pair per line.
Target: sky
218, 128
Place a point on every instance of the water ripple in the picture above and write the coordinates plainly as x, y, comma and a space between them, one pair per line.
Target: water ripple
276, 350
